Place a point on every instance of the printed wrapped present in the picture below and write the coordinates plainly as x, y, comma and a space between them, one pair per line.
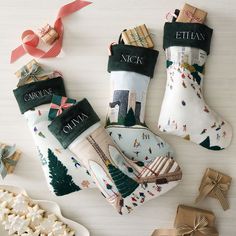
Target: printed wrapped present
9, 157
191, 14
31, 72
48, 34
58, 105
190, 221
215, 184
138, 36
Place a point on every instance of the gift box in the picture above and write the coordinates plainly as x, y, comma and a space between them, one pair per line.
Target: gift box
31, 72
215, 184
191, 14
138, 36
58, 105
48, 34
191, 221
164, 232
9, 157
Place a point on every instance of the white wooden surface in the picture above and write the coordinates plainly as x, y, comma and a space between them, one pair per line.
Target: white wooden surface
83, 63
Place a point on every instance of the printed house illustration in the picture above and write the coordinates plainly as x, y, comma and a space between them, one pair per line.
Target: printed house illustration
123, 102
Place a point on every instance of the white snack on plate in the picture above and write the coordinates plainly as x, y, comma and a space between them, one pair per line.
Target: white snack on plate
21, 215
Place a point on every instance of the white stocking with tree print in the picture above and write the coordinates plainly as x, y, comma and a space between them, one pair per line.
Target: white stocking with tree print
131, 69
184, 111
122, 182
63, 172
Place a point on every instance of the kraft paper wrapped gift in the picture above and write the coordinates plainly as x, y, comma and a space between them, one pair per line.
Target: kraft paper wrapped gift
31, 72
9, 157
215, 184
164, 232
190, 221
48, 34
191, 14
138, 36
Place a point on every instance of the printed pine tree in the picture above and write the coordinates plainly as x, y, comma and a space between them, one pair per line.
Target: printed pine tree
62, 182
124, 184
130, 118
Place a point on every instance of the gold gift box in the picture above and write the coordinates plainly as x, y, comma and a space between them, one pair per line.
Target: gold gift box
164, 232
212, 173
29, 79
48, 34
186, 216
138, 36
191, 14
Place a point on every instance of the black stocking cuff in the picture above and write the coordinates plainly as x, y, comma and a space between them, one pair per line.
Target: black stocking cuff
34, 94
187, 35
132, 58
73, 122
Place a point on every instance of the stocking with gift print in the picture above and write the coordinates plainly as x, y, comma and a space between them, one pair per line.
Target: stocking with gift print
131, 68
64, 173
122, 182
184, 111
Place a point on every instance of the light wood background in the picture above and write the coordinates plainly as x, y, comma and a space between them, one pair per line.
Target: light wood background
83, 63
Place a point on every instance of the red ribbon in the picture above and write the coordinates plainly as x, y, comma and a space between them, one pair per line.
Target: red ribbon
64, 105
30, 40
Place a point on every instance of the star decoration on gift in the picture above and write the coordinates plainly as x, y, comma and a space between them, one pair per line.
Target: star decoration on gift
35, 213
46, 225
85, 183
16, 224
4, 210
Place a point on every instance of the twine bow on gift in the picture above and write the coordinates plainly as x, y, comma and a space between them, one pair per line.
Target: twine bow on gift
44, 30
200, 225
214, 185
30, 40
64, 105
191, 16
6, 153
34, 73
138, 38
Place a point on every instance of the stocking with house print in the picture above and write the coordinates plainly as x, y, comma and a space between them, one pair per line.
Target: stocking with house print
63, 172
126, 184
131, 68
184, 111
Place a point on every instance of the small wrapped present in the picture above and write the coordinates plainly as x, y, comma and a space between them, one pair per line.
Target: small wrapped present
191, 221
31, 72
138, 36
58, 105
191, 14
9, 157
164, 232
215, 184
48, 34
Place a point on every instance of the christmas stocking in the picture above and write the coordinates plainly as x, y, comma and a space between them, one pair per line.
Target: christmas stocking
131, 68
184, 111
63, 171
126, 184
